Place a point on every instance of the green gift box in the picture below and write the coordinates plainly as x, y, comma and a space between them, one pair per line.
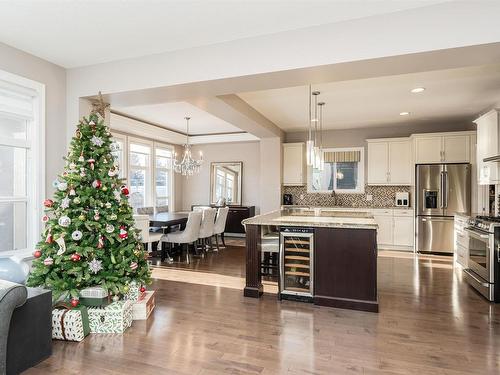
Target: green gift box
114, 318
70, 323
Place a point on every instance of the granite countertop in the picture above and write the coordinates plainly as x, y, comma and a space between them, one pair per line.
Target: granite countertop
314, 218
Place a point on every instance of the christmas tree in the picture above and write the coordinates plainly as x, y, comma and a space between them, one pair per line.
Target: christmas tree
89, 237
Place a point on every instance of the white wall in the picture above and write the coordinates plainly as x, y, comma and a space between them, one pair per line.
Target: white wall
196, 189
53, 77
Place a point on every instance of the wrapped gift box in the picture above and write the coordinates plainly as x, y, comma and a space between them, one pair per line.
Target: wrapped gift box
70, 323
143, 308
94, 296
134, 293
114, 318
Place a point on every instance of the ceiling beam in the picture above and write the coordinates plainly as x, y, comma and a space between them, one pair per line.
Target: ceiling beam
231, 108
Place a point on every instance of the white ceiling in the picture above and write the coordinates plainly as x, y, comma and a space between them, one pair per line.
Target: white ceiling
77, 33
171, 116
450, 95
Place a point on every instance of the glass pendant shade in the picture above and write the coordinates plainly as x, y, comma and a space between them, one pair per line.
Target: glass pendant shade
310, 152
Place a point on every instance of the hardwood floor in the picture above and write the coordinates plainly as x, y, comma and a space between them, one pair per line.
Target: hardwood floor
430, 322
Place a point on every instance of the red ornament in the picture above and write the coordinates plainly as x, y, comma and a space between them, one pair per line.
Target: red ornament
49, 238
142, 289
100, 242
97, 184
48, 203
124, 190
75, 257
37, 253
74, 302
123, 233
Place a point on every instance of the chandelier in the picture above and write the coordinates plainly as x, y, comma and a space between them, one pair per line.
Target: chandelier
187, 166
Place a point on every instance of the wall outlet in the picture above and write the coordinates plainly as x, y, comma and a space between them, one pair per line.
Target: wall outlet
369, 197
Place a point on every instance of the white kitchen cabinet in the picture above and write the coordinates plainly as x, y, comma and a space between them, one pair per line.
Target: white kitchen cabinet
487, 146
389, 161
294, 164
384, 218
403, 230
453, 147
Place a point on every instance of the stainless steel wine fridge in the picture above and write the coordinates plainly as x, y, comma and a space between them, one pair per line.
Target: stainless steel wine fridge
296, 263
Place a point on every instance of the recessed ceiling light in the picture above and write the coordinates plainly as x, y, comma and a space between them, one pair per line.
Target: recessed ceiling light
416, 90
404, 113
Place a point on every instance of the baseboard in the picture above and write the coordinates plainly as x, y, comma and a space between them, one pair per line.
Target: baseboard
346, 303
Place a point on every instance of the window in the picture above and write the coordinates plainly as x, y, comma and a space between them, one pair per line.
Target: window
139, 174
147, 168
343, 172
162, 176
21, 163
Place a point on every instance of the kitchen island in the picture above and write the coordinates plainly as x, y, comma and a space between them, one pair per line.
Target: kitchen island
334, 256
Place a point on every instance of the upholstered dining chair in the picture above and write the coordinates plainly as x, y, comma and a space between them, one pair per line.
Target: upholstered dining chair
188, 236
145, 210
148, 237
220, 224
207, 227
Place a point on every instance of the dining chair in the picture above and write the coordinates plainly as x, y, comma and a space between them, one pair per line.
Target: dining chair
147, 237
188, 236
207, 227
220, 224
145, 210
160, 209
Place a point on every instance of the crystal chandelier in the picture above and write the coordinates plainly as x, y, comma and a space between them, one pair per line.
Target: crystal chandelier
187, 166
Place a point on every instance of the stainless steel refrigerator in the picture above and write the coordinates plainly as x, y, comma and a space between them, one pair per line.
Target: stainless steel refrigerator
441, 191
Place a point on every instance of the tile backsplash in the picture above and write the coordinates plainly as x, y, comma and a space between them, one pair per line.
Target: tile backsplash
382, 197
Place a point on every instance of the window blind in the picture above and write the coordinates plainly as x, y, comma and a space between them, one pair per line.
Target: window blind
342, 156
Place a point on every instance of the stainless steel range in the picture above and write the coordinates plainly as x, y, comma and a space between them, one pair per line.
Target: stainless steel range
484, 256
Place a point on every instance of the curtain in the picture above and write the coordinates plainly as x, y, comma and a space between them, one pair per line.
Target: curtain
342, 156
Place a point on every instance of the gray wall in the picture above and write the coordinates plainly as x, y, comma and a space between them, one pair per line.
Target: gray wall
53, 76
196, 189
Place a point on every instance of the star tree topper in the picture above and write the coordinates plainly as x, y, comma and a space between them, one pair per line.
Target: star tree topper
99, 106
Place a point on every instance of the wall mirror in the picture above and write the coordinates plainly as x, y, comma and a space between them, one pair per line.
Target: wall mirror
225, 182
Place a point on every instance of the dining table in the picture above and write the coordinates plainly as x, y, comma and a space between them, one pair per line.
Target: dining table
167, 220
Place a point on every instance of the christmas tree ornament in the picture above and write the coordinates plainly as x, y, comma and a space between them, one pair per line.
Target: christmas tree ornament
82, 172
104, 188
62, 245
48, 261
72, 191
49, 238
81, 159
48, 203
118, 195
75, 257
62, 186
96, 184
64, 221
81, 217
45, 218
124, 190
72, 166
100, 242
105, 161
74, 302
95, 266
96, 141
123, 232
126, 289
76, 200
137, 253
91, 123
37, 253
110, 228
55, 183
65, 203
112, 172
108, 205
91, 163
97, 216
65, 174
113, 217
116, 298
143, 289
133, 266
78, 134
77, 235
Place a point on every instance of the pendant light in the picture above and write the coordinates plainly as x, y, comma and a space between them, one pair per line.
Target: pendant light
316, 152
310, 141
187, 166
320, 120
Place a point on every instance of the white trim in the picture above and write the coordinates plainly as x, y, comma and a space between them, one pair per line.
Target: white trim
222, 138
361, 173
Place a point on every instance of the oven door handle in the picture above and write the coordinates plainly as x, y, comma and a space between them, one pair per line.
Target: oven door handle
474, 233
481, 282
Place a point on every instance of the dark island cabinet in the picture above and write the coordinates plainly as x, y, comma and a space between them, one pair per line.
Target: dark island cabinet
345, 268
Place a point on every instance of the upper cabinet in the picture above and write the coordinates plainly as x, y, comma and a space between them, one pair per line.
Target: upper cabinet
442, 148
389, 161
294, 164
487, 147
